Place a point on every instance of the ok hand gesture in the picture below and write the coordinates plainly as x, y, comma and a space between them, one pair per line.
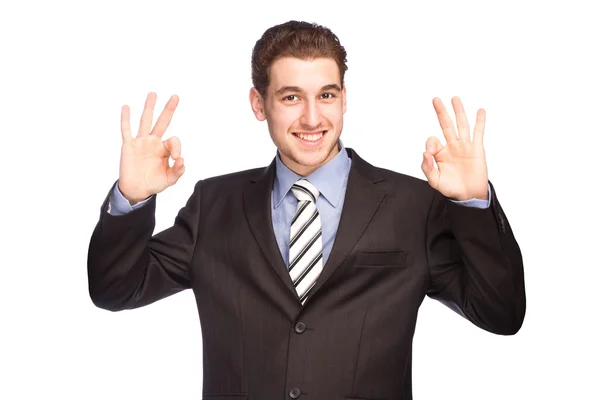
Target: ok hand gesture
461, 172
144, 168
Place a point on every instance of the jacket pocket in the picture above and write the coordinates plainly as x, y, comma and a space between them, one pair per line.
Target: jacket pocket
380, 259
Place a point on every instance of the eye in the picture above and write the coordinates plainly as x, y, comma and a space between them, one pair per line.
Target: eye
328, 96
291, 97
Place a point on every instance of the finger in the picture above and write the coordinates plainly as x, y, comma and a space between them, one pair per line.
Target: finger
173, 146
461, 119
165, 117
445, 121
175, 172
146, 120
479, 127
431, 173
433, 145
125, 125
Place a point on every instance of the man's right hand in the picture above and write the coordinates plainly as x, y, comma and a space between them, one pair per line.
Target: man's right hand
144, 168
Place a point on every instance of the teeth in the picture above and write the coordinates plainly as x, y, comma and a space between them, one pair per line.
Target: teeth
311, 137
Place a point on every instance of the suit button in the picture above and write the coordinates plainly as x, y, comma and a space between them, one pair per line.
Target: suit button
300, 327
294, 393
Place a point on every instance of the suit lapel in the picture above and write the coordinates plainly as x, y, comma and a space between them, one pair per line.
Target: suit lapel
360, 204
257, 206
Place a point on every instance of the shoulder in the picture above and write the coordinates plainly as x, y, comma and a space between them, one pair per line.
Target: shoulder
393, 181
234, 178
228, 183
399, 185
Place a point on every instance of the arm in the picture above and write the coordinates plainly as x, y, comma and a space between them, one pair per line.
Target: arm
128, 267
476, 264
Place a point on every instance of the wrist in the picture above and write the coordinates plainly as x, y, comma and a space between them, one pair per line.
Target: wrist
131, 198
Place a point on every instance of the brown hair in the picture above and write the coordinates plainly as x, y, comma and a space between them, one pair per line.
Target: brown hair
301, 40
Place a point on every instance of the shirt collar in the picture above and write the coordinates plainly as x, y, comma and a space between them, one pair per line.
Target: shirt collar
328, 179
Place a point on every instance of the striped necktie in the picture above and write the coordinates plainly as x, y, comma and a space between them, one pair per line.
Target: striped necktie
306, 248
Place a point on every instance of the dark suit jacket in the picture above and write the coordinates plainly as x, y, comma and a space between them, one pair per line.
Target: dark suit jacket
398, 240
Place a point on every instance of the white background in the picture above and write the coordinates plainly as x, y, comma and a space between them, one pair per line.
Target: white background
68, 67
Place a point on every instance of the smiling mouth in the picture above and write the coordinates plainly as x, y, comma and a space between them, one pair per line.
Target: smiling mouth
310, 137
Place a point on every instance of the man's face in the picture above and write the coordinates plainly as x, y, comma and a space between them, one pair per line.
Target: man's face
304, 109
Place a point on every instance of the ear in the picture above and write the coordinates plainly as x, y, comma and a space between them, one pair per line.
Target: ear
344, 99
257, 104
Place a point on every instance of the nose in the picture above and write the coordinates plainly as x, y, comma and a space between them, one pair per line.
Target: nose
311, 115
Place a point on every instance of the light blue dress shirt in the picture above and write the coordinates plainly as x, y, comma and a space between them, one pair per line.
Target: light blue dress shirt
330, 179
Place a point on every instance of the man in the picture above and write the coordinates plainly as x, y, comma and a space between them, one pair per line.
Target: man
308, 274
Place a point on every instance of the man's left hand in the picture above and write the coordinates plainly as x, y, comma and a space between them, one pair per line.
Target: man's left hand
461, 172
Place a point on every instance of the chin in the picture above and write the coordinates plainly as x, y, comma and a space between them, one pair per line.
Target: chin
312, 160
314, 157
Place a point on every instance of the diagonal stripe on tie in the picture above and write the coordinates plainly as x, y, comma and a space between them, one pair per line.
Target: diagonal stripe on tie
312, 218
312, 263
302, 217
305, 250
302, 207
305, 294
309, 280
303, 240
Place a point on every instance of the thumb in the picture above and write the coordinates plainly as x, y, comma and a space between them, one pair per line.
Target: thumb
431, 173
433, 145
173, 146
175, 172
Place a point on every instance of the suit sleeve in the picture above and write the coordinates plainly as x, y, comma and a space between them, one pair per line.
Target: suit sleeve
475, 264
128, 267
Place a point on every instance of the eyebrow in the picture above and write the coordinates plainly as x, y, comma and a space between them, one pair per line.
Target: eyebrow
284, 89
